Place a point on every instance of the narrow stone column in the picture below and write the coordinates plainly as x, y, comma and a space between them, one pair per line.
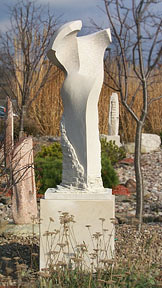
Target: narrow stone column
113, 125
24, 202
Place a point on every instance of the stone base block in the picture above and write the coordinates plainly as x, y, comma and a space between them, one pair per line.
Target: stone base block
115, 138
62, 239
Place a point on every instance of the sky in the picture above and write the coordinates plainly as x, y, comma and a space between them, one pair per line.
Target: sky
69, 9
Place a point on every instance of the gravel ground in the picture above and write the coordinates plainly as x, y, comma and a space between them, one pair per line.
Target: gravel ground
19, 254
151, 169
152, 175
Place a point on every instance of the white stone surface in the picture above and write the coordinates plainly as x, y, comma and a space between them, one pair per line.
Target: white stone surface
59, 193
115, 138
113, 125
81, 58
150, 143
85, 212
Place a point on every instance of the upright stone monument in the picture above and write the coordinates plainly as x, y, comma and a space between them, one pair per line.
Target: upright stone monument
24, 201
113, 127
81, 192
113, 122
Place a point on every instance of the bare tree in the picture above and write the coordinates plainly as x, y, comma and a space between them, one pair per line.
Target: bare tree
137, 42
22, 54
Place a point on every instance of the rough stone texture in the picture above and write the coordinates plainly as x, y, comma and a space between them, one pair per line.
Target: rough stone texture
24, 203
81, 58
150, 142
9, 134
113, 125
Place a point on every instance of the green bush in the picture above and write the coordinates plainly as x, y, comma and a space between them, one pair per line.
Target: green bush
112, 151
109, 176
48, 168
48, 173
53, 151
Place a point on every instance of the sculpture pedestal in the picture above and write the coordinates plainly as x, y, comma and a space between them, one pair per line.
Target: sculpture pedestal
115, 138
87, 209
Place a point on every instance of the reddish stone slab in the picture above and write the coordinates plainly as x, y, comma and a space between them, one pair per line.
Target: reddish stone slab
24, 200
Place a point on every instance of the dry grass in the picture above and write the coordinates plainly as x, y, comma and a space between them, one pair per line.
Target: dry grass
136, 263
154, 118
47, 109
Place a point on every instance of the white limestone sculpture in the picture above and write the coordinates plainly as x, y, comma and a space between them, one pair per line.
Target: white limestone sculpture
81, 59
113, 125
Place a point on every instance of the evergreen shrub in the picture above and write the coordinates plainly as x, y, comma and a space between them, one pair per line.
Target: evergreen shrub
48, 167
112, 151
108, 173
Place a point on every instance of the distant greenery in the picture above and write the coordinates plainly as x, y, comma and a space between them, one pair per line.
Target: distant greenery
48, 165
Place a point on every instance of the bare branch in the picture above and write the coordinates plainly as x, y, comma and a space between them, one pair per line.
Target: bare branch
136, 33
24, 49
154, 99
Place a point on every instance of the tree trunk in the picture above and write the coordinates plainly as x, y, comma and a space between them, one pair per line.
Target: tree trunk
138, 173
22, 115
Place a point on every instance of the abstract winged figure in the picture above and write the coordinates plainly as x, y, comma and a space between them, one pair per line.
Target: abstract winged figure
81, 59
